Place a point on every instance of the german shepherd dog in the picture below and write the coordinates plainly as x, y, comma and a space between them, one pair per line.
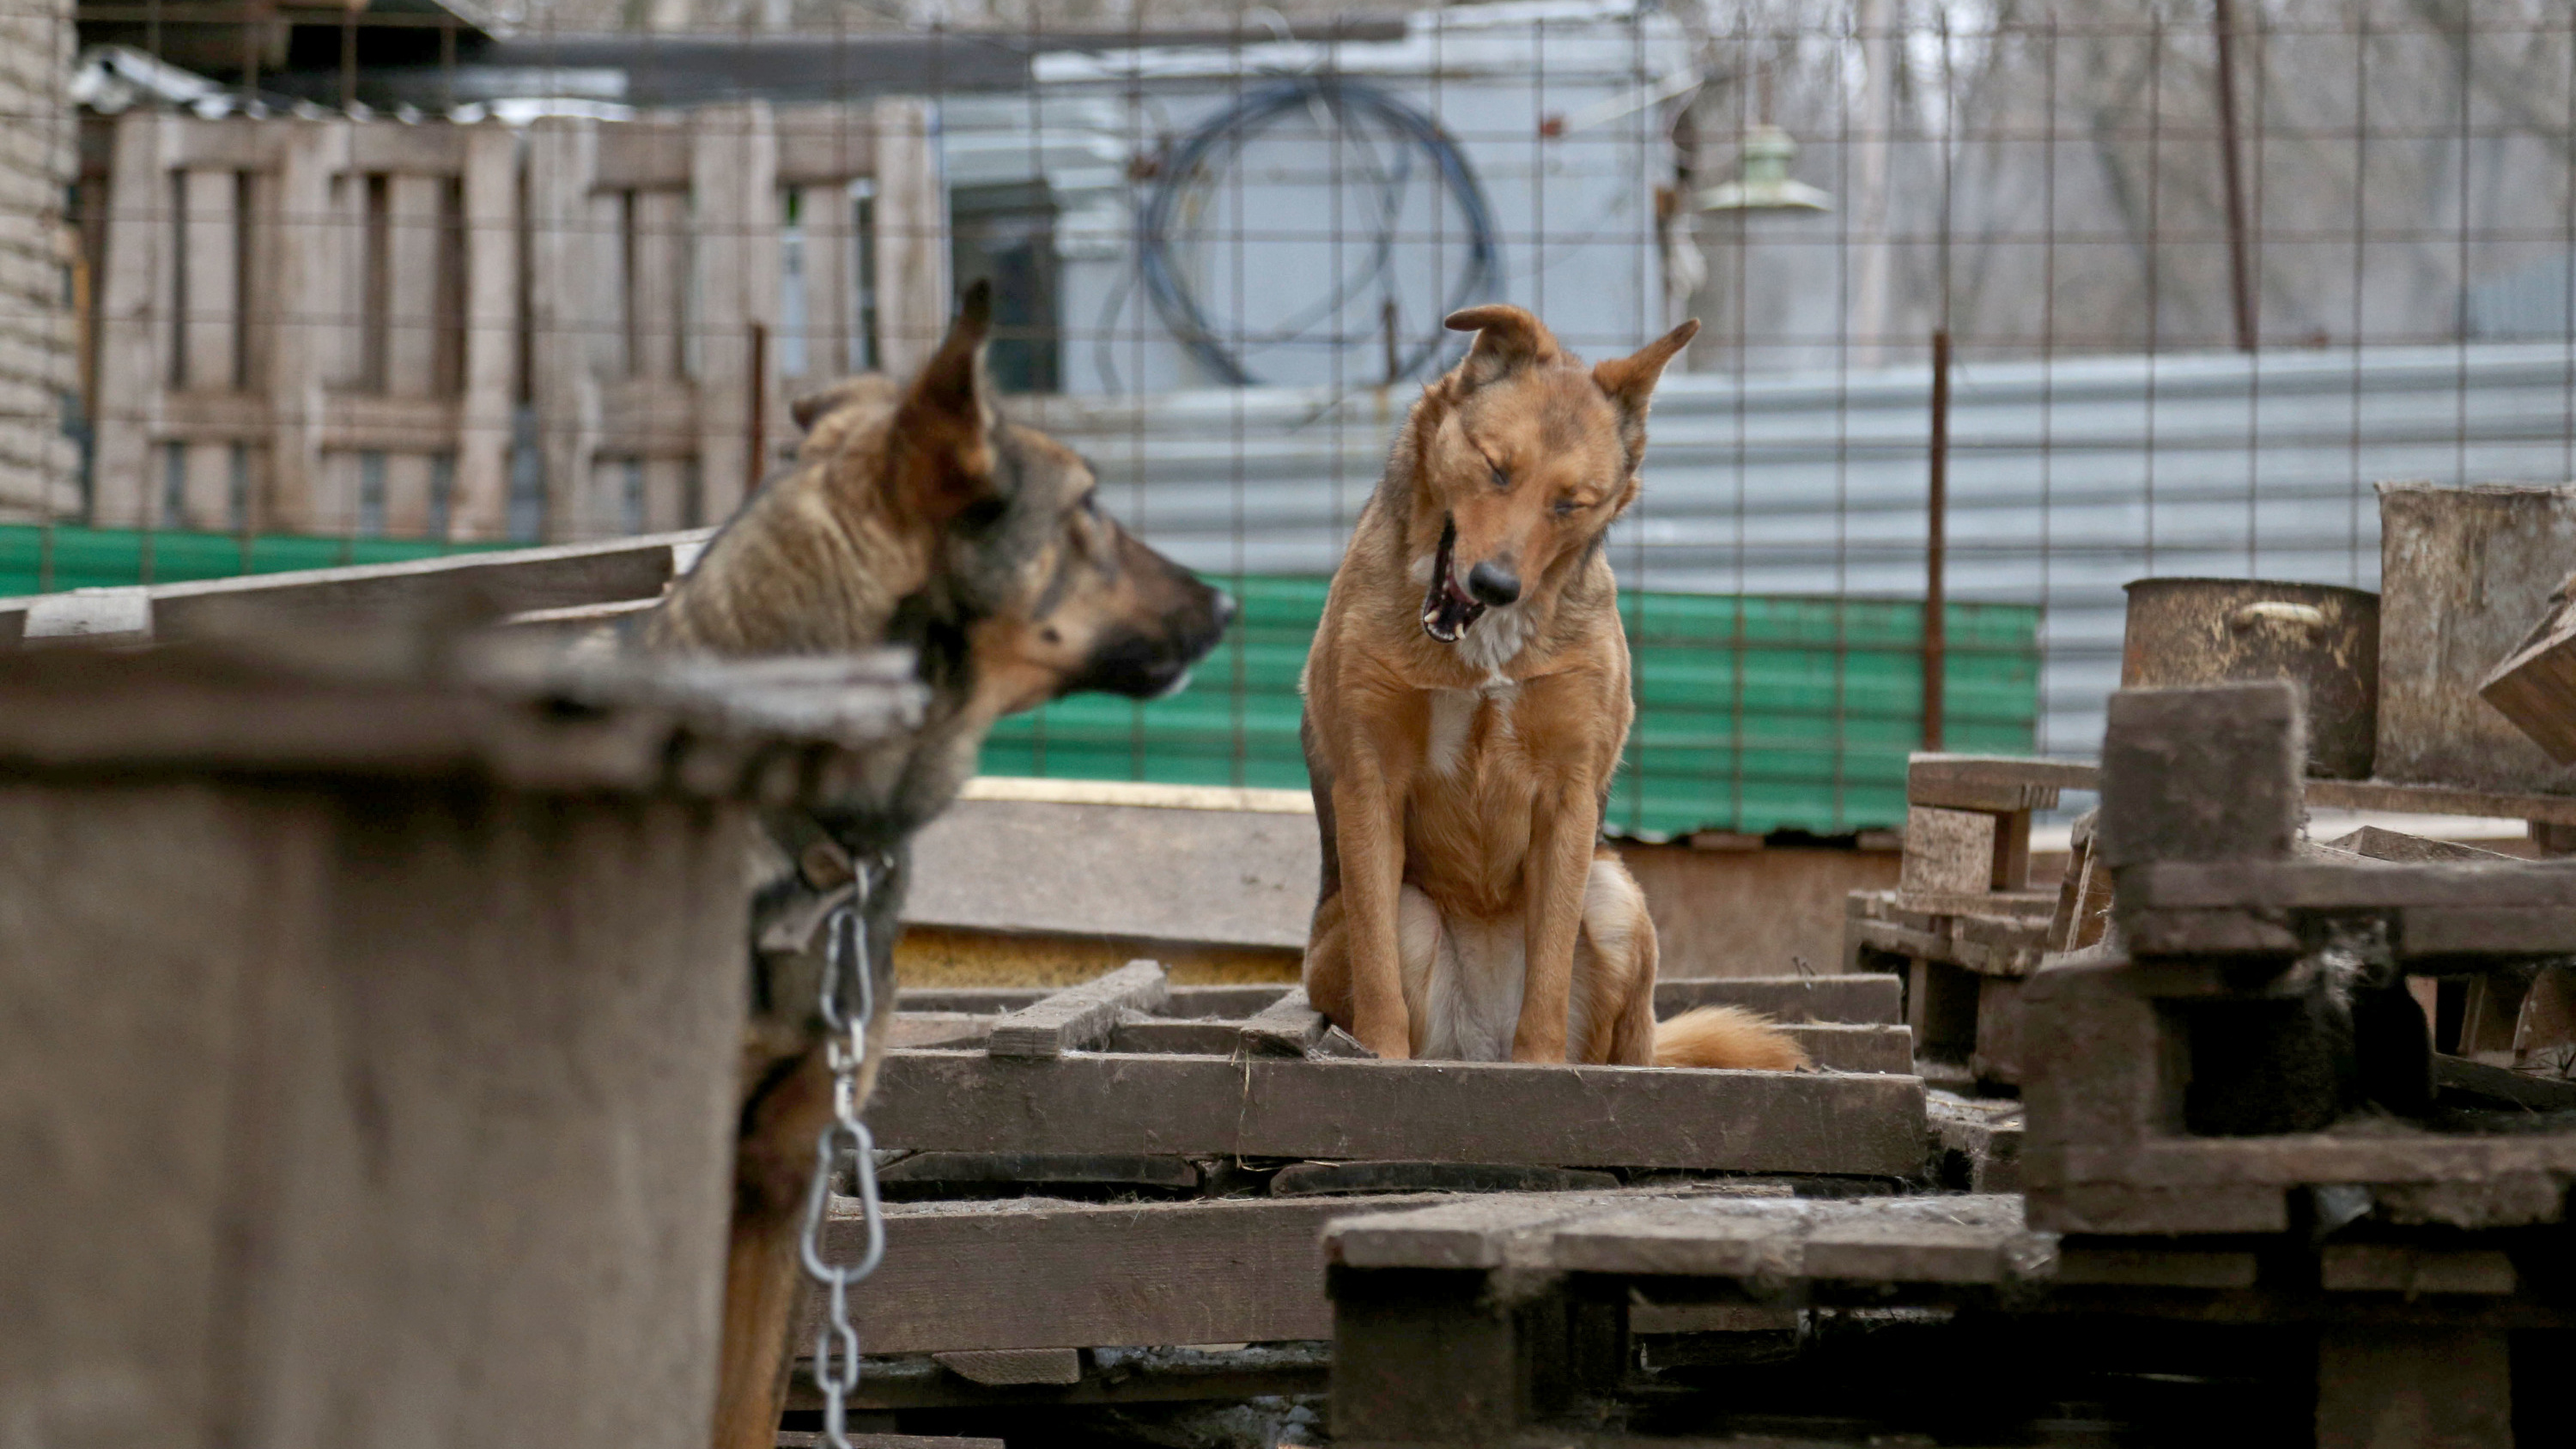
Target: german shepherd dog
1466, 704
917, 516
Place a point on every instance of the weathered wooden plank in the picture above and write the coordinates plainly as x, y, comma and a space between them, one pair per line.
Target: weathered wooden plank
1288, 1027
1950, 851
2408, 1269
481, 506
1006, 1366
1226, 1002
205, 499
1853, 1047
1314, 1179
911, 225
830, 219
415, 244
1430, 1111
2298, 1159
2205, 774
134, 322
2407, 799
2327, 885
1997, 783
1860, 998
302, 279
105, 616
210, 260
1878, 1251
407, 495
1034, 1273
733, 166
576, 250
1080, 1016
949, 1169
1191, 1038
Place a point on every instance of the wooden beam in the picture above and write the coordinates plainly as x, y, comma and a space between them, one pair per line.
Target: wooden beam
1034, 1273
1080, 1016
1427, 1111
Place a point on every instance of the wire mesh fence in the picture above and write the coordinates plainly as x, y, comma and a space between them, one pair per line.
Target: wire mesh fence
456, 273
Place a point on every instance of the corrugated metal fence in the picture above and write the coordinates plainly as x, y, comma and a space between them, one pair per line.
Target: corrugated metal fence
2068, 478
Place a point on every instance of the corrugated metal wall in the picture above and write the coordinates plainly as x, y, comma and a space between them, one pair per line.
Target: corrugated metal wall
2067, 480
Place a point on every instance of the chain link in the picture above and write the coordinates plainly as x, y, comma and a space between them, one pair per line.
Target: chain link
845, 1051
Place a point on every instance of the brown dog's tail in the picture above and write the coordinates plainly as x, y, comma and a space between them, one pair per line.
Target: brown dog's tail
1726, 1036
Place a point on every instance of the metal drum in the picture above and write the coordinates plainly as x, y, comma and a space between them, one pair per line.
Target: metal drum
2324, 638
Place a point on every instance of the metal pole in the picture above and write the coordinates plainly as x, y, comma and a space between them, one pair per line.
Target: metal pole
2240, 278
1936, 631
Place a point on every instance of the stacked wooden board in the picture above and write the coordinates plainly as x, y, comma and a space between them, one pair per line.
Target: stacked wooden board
1129, 1165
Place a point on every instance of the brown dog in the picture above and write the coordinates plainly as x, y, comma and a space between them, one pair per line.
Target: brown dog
913, 515
1466, 703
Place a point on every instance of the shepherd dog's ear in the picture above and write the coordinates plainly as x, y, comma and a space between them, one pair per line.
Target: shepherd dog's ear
1507, 340
1629, 381
941, 445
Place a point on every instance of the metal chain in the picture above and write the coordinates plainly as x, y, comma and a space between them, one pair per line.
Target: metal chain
845, 966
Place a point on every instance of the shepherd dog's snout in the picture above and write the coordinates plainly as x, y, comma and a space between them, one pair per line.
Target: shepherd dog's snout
1179, 620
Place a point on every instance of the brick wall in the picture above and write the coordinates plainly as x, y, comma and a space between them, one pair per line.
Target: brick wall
38, 464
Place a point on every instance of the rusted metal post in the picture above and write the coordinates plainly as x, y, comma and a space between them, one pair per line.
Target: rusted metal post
1936, 631
757, 463
2239, 274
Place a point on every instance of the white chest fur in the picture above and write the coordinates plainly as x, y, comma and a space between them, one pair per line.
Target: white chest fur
1453, 722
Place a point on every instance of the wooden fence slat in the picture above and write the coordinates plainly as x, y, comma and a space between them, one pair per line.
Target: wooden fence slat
912, 285
134, 331
211, 264
407, 477
302, 274
413, 249
831, 256
734, 166
481, 505
1428, 1111
565, 247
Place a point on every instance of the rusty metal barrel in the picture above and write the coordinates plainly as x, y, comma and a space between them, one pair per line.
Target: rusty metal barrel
373, 1018
2323, 638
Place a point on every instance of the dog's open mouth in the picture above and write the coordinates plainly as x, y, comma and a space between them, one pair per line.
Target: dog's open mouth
1448, 609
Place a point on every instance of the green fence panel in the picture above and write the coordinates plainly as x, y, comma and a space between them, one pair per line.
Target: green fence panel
93, 558
1754, 714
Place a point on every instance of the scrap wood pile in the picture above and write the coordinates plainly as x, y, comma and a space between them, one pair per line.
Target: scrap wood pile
1079, 1180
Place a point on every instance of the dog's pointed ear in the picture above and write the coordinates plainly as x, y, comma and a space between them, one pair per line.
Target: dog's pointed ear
942, 442
1507, 339
1630, 381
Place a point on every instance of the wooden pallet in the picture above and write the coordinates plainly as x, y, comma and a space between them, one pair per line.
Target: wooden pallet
1499, 1320
1105, 1069
2173, 1076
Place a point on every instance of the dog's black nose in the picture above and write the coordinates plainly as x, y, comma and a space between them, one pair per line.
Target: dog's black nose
1226, 609
1493, 585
